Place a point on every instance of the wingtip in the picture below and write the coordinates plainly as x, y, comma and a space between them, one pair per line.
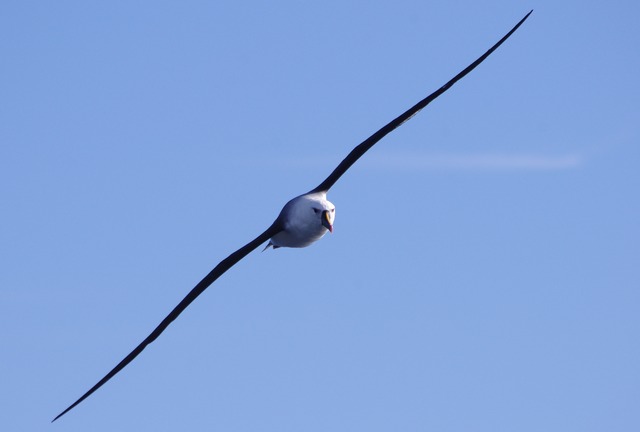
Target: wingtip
62, 413
525, 18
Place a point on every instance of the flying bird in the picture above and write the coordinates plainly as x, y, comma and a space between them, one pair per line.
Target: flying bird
303, 220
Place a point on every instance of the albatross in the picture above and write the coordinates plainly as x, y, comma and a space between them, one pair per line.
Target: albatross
303, 220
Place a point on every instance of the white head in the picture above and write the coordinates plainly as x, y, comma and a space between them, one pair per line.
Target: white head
327, 215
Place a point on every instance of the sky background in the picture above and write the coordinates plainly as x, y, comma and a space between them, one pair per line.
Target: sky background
484, 271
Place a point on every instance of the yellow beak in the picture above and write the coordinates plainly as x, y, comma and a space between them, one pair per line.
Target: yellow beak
326, 222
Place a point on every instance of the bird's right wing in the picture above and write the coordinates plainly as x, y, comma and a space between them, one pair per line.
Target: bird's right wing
222, 267
362, 148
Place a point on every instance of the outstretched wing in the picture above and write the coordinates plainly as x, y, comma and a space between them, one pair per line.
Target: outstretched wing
362, 148
222, 267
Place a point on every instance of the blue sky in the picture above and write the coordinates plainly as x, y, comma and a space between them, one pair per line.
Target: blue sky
485, 265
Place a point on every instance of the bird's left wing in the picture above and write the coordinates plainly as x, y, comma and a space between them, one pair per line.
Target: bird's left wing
362, 148
222, 267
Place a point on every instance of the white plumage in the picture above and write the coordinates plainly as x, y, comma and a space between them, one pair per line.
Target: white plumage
305, 220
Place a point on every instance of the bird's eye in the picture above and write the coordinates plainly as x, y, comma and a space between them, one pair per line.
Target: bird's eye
315, 210
333, 210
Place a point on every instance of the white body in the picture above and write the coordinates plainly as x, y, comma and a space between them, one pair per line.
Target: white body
301, 220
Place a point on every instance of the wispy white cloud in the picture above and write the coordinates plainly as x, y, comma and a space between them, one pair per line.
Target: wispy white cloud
487, 161
446, 161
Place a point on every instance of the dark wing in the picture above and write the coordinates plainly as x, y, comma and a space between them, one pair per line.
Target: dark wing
222, 267
362, 148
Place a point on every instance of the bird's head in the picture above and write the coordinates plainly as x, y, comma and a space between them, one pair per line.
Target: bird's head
327, 215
